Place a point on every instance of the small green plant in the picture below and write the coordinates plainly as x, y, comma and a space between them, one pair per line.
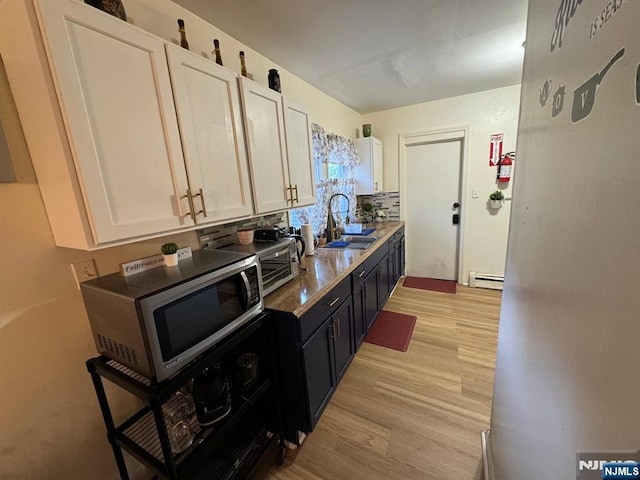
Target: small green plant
368, 213
169, 248
497, 195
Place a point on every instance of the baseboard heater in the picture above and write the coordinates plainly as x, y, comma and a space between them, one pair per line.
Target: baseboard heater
487, 457
485, 280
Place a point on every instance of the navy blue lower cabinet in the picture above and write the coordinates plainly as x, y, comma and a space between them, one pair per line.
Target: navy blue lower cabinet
343, 338
383, 282
326, 356
319, 371
359, 309
314, 353
371, 298
396, 254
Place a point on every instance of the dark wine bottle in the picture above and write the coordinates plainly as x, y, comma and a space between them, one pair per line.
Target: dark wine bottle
183, 34
274, 80
216, 45
243, 67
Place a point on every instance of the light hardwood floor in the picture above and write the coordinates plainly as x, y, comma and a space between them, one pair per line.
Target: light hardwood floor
414, 415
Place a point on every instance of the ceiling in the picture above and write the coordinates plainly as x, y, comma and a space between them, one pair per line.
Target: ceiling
374, 55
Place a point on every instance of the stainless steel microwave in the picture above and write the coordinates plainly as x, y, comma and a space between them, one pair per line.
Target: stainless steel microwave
158, 321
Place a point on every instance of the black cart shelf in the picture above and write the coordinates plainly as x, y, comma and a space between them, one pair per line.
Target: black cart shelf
144, 434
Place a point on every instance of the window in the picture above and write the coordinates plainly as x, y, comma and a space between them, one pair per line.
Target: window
334, 158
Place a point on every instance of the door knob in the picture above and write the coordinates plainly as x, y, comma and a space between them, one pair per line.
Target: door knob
456, 205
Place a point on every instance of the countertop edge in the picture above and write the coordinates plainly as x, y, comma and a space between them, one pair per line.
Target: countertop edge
319, 294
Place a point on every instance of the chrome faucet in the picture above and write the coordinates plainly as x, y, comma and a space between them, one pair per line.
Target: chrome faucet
332, 228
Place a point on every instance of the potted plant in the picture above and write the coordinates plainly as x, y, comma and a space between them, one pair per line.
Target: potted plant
367, 209
170, 252
495, 199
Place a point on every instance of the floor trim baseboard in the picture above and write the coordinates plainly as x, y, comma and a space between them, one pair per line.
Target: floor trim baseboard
487, 456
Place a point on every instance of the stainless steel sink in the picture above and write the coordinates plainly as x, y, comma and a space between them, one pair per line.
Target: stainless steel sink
353, 242
359, 239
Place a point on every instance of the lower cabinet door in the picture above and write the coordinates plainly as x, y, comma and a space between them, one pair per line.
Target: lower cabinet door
317, 353
383, 282
359, 318
371, 299
343, 337
401, 256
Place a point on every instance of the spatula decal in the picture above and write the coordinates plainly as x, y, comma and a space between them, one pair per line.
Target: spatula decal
584, 96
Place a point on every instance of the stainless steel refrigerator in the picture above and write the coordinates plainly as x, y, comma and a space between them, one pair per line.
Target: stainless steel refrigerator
568, 366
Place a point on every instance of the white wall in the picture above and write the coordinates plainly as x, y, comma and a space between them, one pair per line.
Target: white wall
50, 425
489, 112
568, 358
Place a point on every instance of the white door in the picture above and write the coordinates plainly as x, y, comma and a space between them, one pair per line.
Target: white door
264, 123
116, 94
300, 157
207, 100
432, 182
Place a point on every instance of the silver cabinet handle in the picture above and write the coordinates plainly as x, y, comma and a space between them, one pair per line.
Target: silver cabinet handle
333, 302
361, 273
295, 187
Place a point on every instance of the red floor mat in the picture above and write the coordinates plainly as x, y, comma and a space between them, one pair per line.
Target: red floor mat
445, 286
392, 330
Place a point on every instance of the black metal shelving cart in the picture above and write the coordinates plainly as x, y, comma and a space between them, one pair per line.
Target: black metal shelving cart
232, 447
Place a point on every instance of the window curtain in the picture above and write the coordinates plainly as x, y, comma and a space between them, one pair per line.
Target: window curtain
330, 149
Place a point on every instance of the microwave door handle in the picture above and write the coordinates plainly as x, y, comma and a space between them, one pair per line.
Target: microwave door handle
247, 289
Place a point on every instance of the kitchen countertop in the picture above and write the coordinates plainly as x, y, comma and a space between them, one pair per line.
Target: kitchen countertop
326, 270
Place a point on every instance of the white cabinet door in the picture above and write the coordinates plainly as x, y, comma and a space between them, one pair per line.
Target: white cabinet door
266, 143
208, 105
377, 165
299, 154
369, 172
113, 84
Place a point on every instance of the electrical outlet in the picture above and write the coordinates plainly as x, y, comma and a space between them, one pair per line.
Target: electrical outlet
83, 271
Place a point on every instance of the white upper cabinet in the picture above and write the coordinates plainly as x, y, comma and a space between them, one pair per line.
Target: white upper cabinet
279, 143
132, 137
369, 172
299, 153
264, 124
105, 144
207, 101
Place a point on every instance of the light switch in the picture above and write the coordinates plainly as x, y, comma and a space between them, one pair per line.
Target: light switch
475, 193
83, 271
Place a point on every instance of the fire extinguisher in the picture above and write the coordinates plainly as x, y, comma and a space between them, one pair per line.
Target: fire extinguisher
505, 164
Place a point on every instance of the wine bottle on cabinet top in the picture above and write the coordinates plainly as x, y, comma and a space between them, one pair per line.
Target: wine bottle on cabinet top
216, 45
243, 67
183, 34
274, 80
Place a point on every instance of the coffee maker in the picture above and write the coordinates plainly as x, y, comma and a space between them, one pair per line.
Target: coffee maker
211, 395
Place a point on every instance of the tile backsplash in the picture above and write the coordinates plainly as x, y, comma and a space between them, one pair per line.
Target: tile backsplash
388, 201
224, 235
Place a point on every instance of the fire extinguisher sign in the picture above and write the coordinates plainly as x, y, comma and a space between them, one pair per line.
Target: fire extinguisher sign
495, 149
